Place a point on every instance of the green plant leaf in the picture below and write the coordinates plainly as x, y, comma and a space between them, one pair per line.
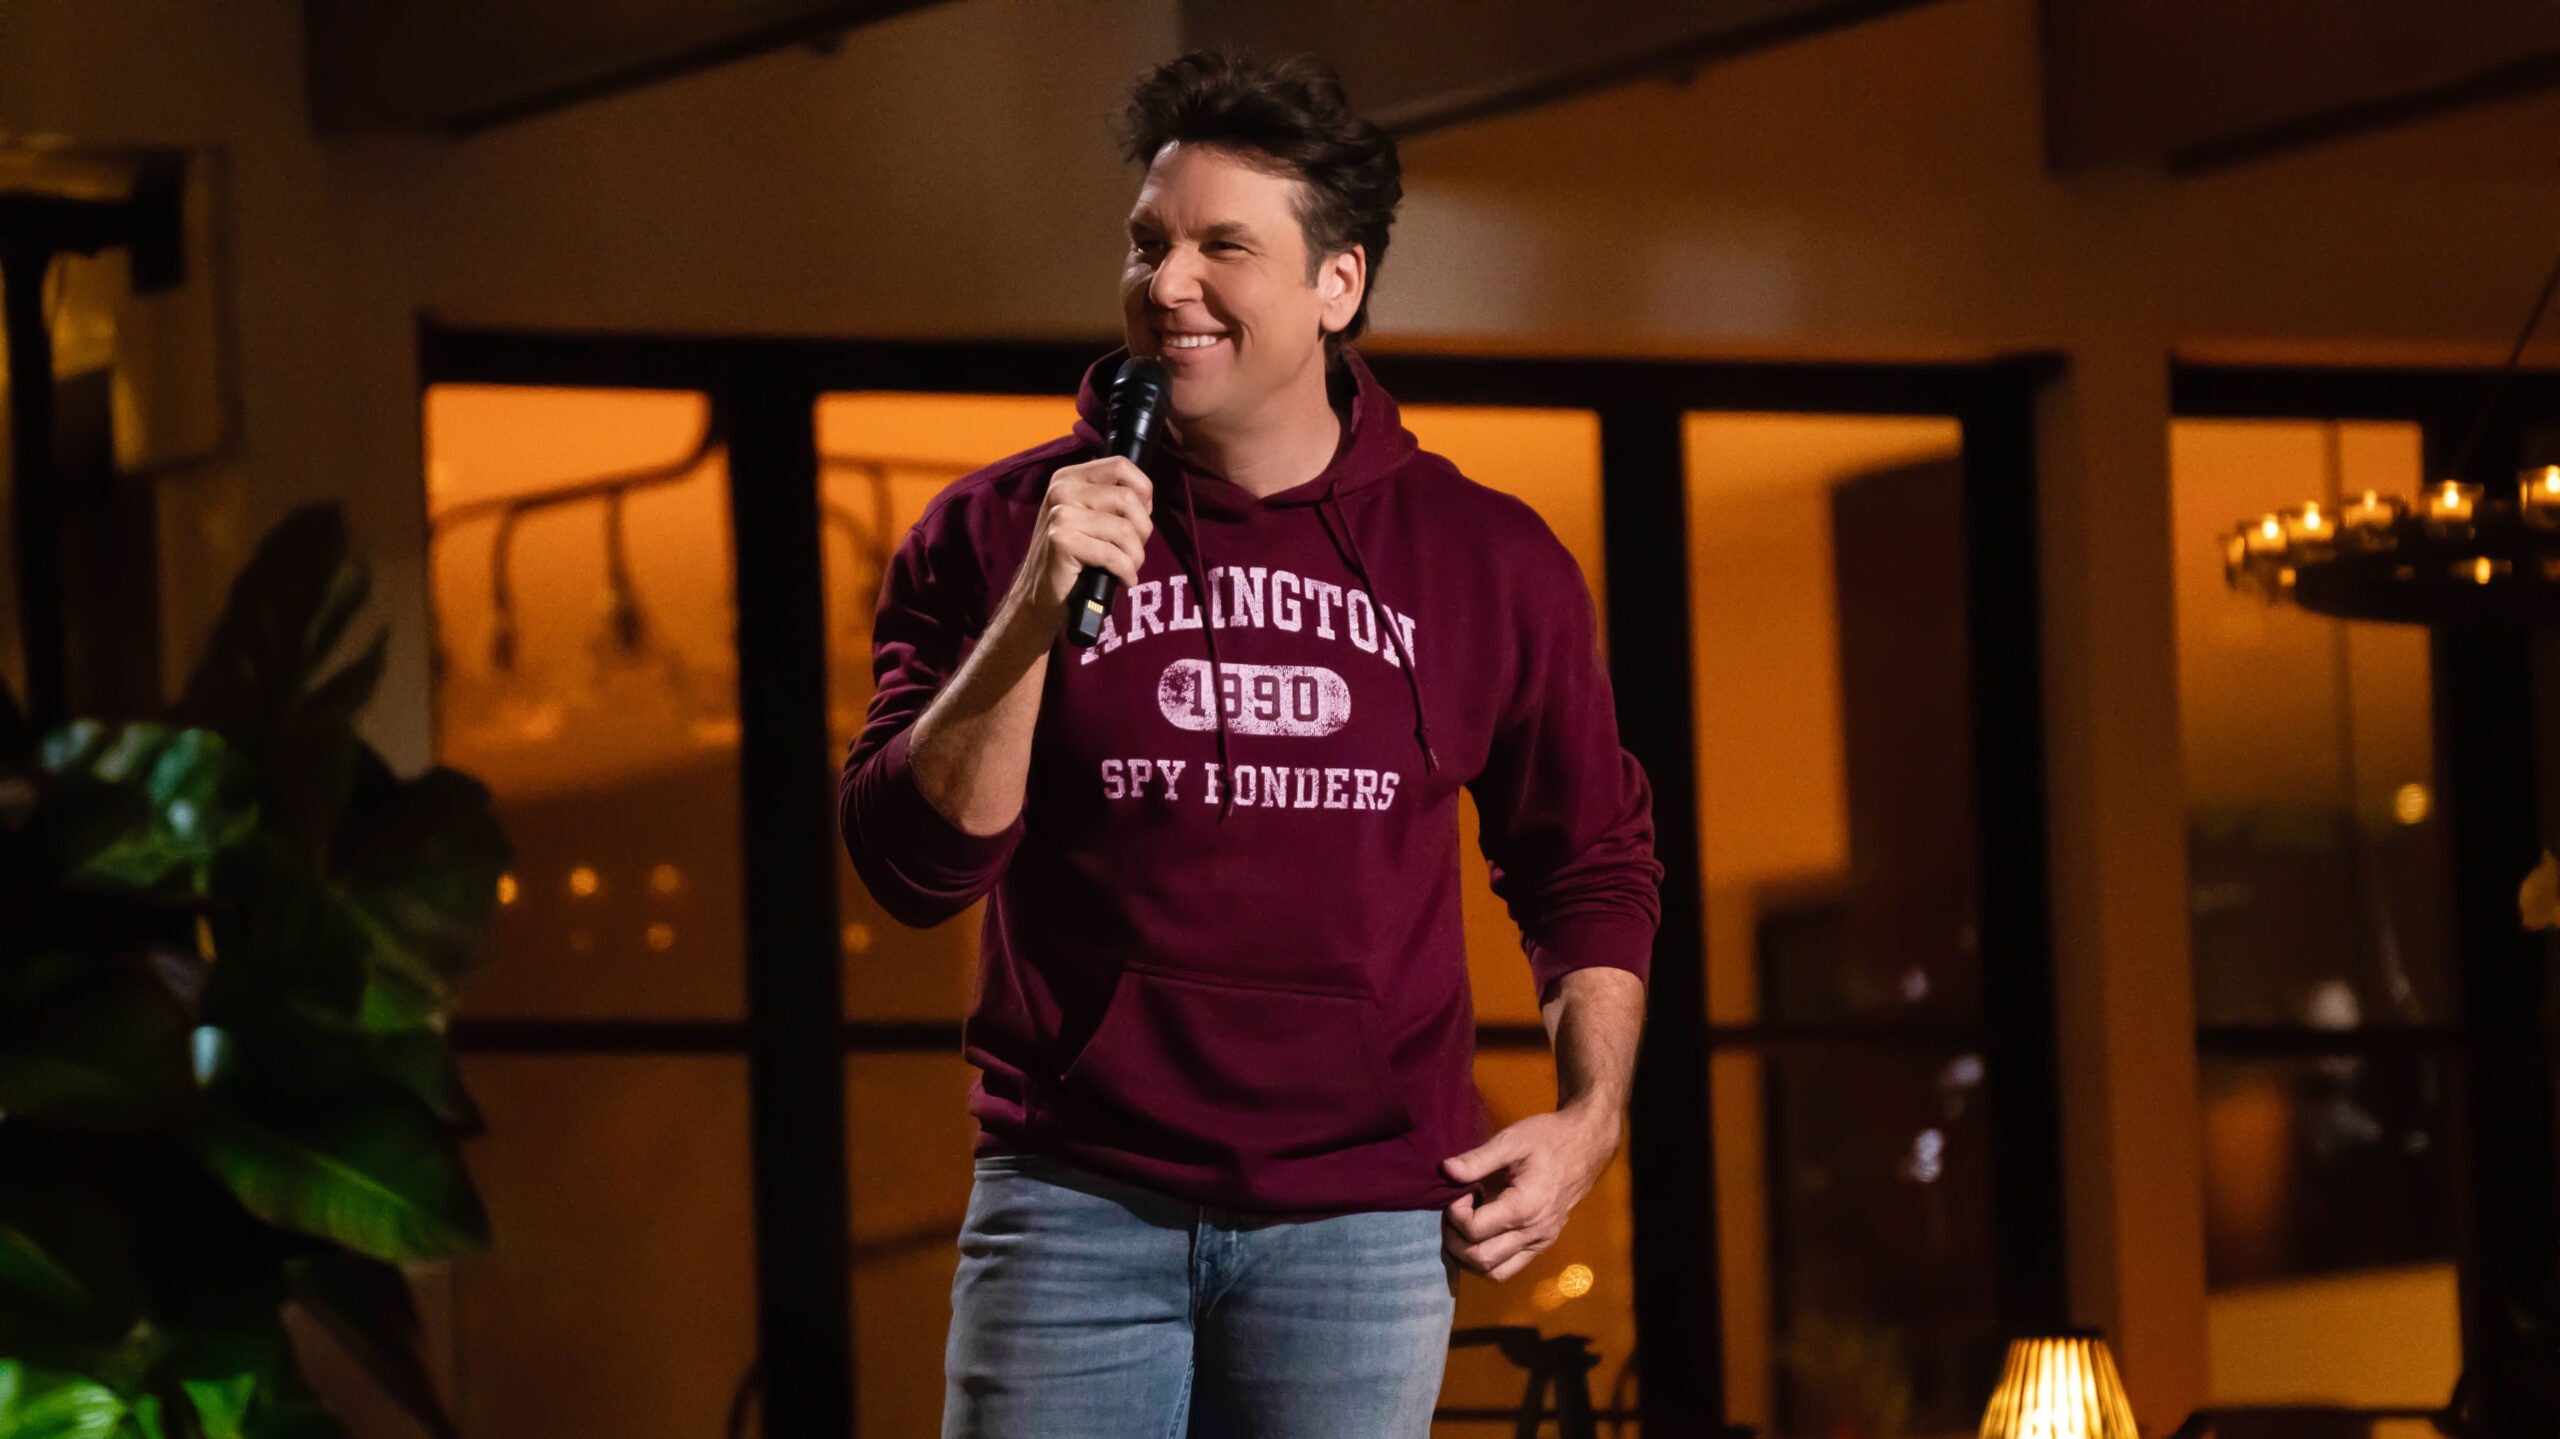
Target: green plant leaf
221, 1406
144, 1420
421, 1061
394, 1003
215, 1380
367, 1166
66, 1263
263, 681
47, 1404
421, 859
90, 1040
175, 799
367, 1306
282, 938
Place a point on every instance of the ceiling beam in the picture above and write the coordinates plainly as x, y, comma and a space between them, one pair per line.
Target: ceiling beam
2196, 85
1419, 65
424, 65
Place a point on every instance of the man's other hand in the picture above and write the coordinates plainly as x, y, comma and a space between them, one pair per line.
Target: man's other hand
1534, 1173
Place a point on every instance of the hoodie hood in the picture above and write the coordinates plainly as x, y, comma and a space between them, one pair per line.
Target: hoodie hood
1375, 448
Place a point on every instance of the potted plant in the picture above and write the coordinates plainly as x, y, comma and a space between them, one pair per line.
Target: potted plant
229, 940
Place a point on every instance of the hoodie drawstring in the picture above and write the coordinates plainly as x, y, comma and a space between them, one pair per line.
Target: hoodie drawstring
1197, 563
1360, 567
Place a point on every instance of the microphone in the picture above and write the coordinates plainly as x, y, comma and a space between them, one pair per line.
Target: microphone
1133, 417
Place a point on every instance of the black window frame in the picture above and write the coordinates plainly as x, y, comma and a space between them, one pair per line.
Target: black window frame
764, 392
2490, 773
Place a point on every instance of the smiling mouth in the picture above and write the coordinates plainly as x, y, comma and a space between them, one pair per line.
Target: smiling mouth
1177, 340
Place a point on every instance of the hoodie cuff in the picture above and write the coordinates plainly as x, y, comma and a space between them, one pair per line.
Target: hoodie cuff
1614, 941
926, 846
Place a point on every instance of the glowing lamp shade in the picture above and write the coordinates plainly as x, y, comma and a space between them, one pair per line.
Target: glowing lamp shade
2059, 1387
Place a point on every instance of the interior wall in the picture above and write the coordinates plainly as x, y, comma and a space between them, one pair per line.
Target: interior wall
2366, 1353
1878, 192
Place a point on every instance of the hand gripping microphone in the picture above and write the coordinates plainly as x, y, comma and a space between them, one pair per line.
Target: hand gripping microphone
1135, 413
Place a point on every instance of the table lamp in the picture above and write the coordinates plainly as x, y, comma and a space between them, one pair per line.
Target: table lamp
2059, 1386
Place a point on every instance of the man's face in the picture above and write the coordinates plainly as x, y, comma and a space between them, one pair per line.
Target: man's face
1216, 283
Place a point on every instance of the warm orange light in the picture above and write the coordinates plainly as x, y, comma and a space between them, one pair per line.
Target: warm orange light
584, 882
857, 937
2451, 505
506, 889
2370, 520
662, 936
2410, 804
2059, 1387
665, 879
2309, 531
2265, 539
2540, 494
1575, 1281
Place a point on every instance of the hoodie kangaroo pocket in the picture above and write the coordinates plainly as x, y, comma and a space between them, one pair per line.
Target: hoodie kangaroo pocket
1223, 1070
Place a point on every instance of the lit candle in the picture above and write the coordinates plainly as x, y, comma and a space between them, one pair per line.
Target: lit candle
2266, 539
2450, 507
2539, 489
2370, 522
2310, 532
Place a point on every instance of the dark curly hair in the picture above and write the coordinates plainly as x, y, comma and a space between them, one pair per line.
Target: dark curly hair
1288, 116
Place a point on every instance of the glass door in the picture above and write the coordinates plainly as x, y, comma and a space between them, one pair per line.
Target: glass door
585, 668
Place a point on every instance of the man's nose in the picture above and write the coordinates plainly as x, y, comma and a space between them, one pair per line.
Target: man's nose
1177, 278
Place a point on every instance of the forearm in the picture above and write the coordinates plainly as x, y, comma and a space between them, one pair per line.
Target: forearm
971, 748
1594, 1023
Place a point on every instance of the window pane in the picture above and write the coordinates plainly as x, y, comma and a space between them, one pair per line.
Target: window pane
619, 1296
2323, 1165
1583, 1284
586, 669
2329, 1212
2317, 863
909, 1133
1854, 1196
1834, 765
1551, 460
881, 459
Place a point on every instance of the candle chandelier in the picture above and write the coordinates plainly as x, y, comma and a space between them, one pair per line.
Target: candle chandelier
2463, 554
633, 651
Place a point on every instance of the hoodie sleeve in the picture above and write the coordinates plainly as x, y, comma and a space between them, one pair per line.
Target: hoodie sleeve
1566, 813
921, 866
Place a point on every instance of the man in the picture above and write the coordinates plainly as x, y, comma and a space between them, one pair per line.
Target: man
1230, 1155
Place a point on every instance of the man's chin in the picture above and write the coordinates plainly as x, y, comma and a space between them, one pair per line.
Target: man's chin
1193, 399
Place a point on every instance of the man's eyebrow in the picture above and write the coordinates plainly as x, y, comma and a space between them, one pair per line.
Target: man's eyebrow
1223, 230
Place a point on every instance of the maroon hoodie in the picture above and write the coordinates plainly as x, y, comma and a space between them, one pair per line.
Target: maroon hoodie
1224, 958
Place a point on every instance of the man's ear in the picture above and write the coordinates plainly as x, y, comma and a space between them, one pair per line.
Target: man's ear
1342, 279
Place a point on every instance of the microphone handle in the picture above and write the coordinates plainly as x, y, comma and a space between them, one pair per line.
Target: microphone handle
1089, 603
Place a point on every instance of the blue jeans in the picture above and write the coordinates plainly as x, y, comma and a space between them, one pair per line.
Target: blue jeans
1086, 1306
